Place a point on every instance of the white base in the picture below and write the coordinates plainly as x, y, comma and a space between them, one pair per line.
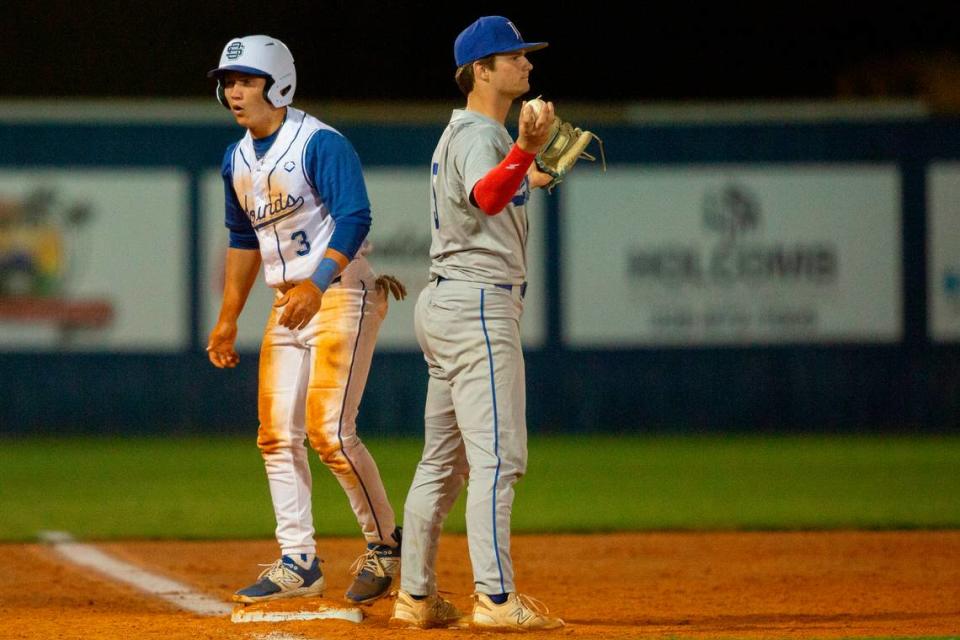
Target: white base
243, 614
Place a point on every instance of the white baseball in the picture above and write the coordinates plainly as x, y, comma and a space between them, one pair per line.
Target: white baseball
536, 105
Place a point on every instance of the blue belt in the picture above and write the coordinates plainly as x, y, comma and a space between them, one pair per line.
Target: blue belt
507, 287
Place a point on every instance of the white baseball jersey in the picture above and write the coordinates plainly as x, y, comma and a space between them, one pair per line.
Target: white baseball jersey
292, 222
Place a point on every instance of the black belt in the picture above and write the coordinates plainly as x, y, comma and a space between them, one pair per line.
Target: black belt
507, 287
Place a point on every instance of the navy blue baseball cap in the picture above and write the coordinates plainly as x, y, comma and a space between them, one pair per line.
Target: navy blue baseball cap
487, 36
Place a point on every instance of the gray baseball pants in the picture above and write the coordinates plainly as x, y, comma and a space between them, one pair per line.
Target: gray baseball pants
474, 426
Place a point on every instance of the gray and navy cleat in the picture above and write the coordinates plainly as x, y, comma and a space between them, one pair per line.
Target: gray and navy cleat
285, 578
374, 571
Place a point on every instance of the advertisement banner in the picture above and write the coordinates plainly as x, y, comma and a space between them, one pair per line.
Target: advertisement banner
93, 260
943, 251
732, 255
400, 239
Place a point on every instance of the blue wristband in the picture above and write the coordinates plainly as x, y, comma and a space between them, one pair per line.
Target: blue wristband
325, 273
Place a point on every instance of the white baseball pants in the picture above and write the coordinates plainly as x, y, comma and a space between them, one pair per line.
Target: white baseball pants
311, 381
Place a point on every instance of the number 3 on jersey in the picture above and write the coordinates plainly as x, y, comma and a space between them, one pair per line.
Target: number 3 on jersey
301, 237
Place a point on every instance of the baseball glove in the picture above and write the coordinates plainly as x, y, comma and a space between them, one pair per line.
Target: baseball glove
564, 147
391, 284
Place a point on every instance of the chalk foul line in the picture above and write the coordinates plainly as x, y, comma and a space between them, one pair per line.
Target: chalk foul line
176, 593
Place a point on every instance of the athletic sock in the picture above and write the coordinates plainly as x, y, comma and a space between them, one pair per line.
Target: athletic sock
498, 598
303, 560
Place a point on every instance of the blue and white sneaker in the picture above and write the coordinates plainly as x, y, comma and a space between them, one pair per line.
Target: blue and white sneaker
374, 571
284, 579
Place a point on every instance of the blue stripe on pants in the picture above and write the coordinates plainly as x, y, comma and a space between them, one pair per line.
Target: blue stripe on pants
346, 391
496, 438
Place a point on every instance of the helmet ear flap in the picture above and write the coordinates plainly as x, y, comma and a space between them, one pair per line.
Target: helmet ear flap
221, 96
266, 90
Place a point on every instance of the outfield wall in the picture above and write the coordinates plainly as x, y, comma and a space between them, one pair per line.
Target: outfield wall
751, 276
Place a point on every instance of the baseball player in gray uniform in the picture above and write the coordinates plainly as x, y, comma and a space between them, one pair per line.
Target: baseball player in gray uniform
468, 326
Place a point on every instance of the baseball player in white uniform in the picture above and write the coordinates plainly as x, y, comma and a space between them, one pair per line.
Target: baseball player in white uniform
297, 203
468, 325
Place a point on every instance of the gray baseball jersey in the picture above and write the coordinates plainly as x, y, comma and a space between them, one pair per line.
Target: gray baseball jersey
467, 243
468, 326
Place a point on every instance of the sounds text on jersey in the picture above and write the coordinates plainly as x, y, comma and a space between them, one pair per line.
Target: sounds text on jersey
272, 211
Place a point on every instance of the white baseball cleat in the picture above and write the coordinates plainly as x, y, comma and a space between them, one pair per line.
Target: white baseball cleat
430, 613
518, 613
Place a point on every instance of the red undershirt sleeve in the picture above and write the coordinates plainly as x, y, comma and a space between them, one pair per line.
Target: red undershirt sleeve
493, 191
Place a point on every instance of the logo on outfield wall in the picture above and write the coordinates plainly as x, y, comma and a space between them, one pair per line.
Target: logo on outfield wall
40, 258
735, 252
731, 211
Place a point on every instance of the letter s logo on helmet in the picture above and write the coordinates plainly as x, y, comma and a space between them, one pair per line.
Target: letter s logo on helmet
259, 56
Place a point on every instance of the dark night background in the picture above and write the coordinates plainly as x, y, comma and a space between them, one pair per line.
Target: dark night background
382, 50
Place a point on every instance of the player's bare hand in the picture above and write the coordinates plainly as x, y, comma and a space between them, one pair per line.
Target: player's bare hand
534, 128
220, 346
538, 179
300, 303
391, 284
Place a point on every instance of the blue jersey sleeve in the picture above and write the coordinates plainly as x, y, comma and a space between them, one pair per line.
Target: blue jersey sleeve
242, 235
332, 167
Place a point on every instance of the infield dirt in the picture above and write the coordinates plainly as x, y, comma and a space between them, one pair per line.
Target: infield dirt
683, 585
